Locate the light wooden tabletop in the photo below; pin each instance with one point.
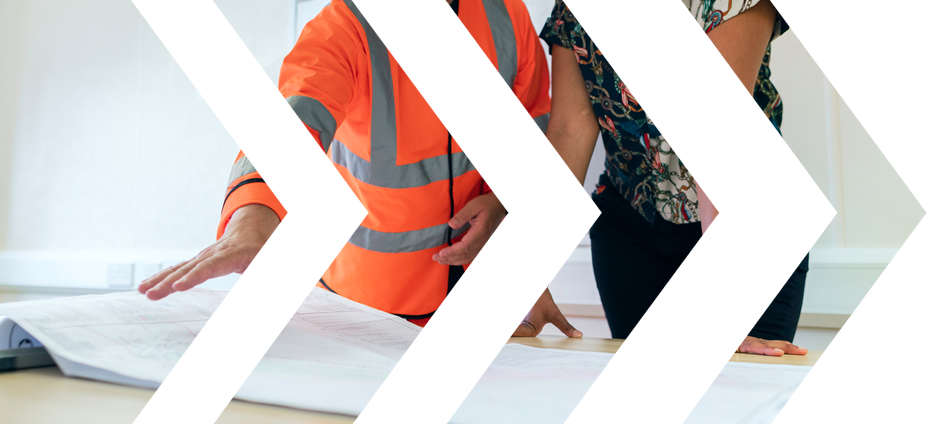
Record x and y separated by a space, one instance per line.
611 346
44 395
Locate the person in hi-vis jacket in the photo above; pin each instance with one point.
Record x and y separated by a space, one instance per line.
430 211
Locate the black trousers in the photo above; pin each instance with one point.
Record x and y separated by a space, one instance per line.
633 261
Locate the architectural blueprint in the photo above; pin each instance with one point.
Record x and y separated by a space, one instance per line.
334 354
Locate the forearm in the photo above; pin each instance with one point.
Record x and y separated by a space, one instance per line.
742 42
573 127
255 221
575 149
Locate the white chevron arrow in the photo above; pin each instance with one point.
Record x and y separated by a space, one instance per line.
292 163
873 53
549 212
771 212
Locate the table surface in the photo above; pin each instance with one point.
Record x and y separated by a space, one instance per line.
44 395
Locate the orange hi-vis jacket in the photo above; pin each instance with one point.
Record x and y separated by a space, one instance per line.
391 148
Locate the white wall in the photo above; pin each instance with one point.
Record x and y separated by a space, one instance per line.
11 32
111 145
876 212
875 208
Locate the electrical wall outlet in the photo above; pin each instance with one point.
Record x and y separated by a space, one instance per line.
119 275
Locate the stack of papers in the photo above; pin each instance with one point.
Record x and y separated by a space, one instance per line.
334 354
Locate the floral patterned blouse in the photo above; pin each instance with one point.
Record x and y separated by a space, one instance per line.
640 163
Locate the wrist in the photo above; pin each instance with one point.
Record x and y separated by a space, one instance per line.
252 225
497 207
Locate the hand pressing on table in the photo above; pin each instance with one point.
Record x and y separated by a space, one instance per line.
545 312
757 346
248 230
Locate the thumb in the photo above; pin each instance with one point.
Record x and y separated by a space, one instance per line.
564 326
469 211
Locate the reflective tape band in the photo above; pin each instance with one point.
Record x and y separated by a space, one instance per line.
316 116
382 170
505 39
383 114
407 241
241 168
418 174
543 122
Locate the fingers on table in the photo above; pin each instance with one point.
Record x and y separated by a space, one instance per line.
152 281
564 326
165 286
770 347
787 347
767 350
203 271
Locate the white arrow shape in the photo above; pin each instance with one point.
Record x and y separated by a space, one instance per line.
875 370
322 211
771 212
549 212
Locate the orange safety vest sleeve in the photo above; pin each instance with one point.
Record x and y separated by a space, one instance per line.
247 189
532 82
531 85
318 78
320 75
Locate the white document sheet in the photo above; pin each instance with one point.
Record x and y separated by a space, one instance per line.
334 354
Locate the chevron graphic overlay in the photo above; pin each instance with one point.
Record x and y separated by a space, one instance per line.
879 74
549 212
308 239
734 272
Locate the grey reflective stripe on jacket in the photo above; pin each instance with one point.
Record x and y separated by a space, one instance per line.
424 172
407 241
241 168
382 169
316 116
505 39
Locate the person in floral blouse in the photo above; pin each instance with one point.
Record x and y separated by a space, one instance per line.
653 212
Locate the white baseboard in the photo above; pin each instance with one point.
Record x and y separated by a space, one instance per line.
826 321
839 278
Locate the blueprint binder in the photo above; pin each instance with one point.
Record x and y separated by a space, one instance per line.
19 350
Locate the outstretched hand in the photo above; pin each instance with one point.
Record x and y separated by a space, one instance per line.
248 230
